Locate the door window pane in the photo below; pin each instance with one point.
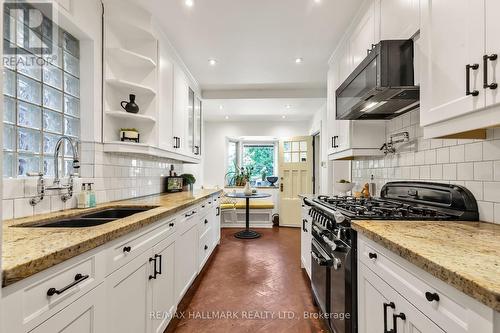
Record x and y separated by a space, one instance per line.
303 145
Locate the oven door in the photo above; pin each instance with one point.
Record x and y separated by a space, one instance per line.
320 275
340 302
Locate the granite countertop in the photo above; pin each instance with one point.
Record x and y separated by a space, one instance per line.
27 251
465 255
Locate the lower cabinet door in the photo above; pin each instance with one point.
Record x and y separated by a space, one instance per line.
128 301
85 315
186 260
164 301
371 300
382 309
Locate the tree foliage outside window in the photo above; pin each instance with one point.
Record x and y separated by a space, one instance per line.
252 161
260 159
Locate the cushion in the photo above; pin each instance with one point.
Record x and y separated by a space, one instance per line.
262 204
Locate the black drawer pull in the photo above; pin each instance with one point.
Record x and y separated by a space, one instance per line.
155 273
202 206
159 257
372 255
190 214
217 209
127 249
431 297
468 67
206 247
78 278
486 57
395 321
171 224
387 305
206 221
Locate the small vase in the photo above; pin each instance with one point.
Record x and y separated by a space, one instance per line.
248 189
130 106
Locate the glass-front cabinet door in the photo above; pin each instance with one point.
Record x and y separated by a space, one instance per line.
190 136
197 126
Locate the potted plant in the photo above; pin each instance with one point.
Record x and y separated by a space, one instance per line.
239 177
188 181
129 134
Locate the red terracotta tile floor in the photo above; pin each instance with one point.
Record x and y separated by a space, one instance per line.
251 286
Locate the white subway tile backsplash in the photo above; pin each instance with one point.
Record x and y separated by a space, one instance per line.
457 154
491 150
476 188
474 164
474 152
115 177
492 191
7 209
486 213
465 171
483 171
443 155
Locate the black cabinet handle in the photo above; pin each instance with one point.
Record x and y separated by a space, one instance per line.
171 224
395 318
468 67
304 221
78 278
486 57
127 249
335 145
206 221
217 209
372 255
190 214
159 257
431 297
206 247
387 305
155 273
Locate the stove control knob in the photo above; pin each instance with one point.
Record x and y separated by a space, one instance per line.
339 218
337 263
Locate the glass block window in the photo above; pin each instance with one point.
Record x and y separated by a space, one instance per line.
41 98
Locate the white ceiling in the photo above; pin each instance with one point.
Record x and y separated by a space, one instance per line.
255 42
300 109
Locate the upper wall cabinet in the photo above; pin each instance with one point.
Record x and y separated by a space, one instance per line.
459 67
140 61
398 19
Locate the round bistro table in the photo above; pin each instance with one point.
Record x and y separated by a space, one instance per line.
247 233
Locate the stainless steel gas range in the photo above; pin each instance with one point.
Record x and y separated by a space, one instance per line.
333 248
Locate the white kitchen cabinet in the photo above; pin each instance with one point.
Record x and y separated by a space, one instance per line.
362 37
163 295
128 295
186 255
166 99
443 81
385 277
305 240
216 215
381 308
399 19
86 315
180 114
492 47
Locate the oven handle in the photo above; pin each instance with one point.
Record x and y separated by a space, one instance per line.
324 260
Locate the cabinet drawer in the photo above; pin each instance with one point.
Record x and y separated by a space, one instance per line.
33 300
205 224
123 250
448 313
205 247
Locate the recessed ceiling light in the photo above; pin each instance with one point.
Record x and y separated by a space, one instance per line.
299 60
189 3
288 106
212 62
221 107
283 116
317 1
226 117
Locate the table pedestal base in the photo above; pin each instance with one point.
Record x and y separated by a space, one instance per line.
247 234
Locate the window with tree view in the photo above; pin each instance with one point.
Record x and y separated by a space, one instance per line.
250 161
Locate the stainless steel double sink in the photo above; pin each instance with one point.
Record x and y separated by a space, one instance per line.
88 220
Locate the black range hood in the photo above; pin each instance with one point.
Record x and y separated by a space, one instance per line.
382 86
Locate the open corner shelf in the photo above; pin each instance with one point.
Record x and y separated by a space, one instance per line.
120 147
131 59
129 30
131 86
131 116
